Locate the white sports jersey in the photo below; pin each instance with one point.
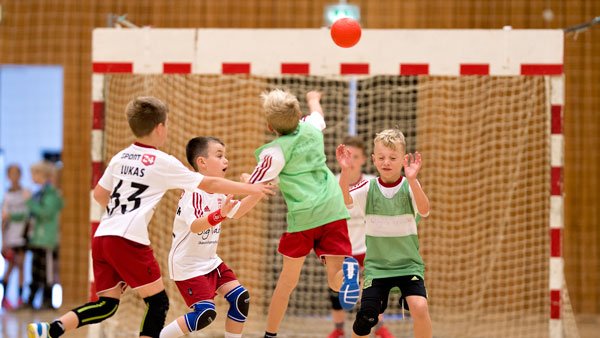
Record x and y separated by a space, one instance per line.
137 177
356 223
360 191
271 160
194 254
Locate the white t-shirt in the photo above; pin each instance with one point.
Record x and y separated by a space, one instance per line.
14 233
360 191
271 160
194 254
356 223
137 177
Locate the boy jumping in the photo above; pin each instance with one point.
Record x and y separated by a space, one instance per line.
316 217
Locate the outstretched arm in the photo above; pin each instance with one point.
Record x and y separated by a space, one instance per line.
224 186
412 165
314 102
343 155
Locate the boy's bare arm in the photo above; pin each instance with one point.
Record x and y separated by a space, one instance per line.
248 203
224 186
101 195
343 155
314 102
412 165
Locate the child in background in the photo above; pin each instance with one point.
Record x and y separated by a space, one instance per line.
356 232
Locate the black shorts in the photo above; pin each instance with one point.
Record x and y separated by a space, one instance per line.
376 291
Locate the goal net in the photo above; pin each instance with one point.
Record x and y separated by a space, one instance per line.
486 147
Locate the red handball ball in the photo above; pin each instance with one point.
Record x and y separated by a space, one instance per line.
345 32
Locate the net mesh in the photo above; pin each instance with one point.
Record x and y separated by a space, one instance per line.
486 154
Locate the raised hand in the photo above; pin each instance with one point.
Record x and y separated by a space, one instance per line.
412 165
313 95
228 204
343 156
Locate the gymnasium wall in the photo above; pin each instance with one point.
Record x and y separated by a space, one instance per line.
59 32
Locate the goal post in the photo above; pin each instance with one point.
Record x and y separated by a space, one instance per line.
483 107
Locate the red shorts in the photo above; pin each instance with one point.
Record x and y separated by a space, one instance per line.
118 260
330 239
361 259
205 287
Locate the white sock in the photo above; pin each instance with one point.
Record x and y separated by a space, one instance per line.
231 335
171 331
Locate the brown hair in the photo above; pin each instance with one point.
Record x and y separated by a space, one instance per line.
144 113
282 110
355 141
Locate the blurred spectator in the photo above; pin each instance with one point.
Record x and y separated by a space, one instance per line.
14 230
44 207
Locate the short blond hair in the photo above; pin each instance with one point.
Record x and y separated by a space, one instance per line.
282 110
44 168
391 138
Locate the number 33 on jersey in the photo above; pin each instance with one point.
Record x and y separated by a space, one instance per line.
138 177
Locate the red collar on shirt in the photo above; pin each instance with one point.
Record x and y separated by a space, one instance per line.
143 145
390 185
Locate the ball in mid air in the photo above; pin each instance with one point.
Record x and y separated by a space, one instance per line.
345 32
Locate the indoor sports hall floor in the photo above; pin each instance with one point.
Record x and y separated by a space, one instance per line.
13 324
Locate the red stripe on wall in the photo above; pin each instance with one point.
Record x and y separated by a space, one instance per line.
414 69
177 68
98 115
474 69
97 171
554 304
541 69
354 68
295 68
557 119
235 68
555 242
556 181
112 67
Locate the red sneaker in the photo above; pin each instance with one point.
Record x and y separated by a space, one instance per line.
336 333
383 333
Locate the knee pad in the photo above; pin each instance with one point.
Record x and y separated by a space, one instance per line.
157 307
365 320
97 311
239 304
204 314
334 296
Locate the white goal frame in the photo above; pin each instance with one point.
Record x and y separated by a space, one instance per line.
311 52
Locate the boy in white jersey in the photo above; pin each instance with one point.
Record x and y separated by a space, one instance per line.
198 271
356 232
392 206
131 186
316 217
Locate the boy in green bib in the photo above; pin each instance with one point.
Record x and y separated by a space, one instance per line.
392 206
316 217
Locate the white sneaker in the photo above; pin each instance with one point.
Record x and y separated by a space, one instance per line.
38 330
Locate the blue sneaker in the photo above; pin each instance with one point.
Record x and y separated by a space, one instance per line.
350 290
38 330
